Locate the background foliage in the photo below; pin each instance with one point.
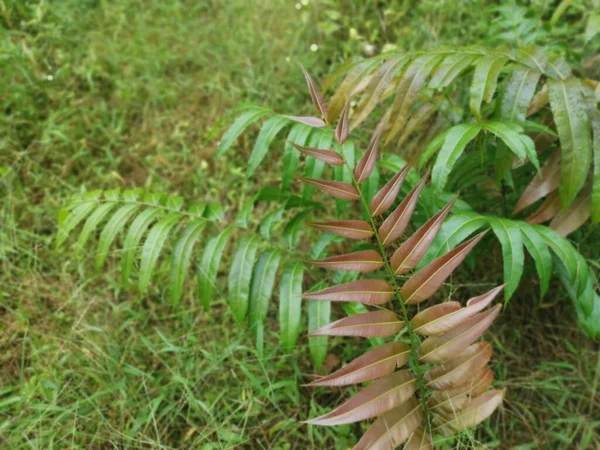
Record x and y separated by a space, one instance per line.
131 94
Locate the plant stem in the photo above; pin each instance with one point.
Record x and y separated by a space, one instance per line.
415 341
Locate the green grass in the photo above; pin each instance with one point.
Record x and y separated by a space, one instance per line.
103 94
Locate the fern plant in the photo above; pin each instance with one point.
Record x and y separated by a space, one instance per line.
445 388
499 135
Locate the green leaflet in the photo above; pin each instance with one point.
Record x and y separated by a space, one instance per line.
595 209
261 290
209 265
518 93
109 233
538 250
268 132
93 221
73 219
291 157
511 134
269 221
240 124
240 277
181 258
572 122
319 314
456 140
449 69
291 232
344 172
133 238
314 167
290 304
509 235
485 80
410 84
152 247
454 231
380 81
244 215
562 248
434 145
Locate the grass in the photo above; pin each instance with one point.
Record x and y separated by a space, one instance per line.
100 94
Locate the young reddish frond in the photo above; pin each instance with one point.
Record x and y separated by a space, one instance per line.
311 121
459 378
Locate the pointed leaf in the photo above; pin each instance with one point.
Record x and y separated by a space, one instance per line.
338 189
342 131
518 93
313 168
414 248
570 219
240 277
370 292
298 134
238 127
393 428
538 250
152 247
93 221
352 229
485 79
509 235
441 318
366 164
542 184
319 314
315 95
267 134
410 85
342 96
290 304
182 254
328 156
428 280
388 193
442 348
456 398
314 122
459 370
261 289
420 440
395 224
374 364
209 265
521 145
454 144
595 118
375 323
76 215
573 125
448 70
476 411
381 80
546 211
133 238
363 261
111 230
378 398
